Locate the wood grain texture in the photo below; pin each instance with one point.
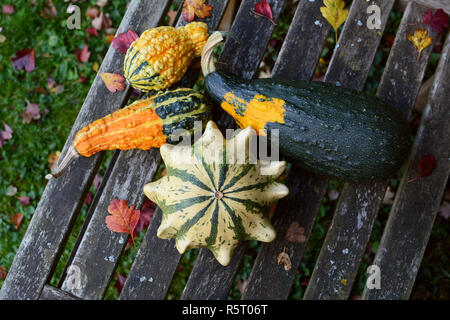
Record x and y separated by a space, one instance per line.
162 253
101 248
209 279
412 216
153 268
307 190
62 199
52 293
297 60
356 211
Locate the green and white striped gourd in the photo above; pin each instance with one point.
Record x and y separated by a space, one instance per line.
207 201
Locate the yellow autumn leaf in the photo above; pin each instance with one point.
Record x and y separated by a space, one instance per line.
420 40
334 13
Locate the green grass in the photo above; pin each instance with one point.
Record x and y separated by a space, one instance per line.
24 158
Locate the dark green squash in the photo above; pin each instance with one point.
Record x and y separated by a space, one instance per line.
341 133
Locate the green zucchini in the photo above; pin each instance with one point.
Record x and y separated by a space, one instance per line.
328 130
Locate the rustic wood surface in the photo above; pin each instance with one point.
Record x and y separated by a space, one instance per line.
162 253
356 211
101 248
62 199
209 279
308 190
412 216
52 293
297 60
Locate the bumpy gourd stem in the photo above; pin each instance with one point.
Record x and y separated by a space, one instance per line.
207 60
69 157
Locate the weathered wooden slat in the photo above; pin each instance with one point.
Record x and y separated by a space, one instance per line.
62 199
297 60
52 293
153 267
349 233
158 259
100 248
348 68
242 59
412 216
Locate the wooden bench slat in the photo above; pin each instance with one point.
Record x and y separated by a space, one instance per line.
100 248
241 59
62 199
52 293
297 60
307 190
351 227
158 259
412 216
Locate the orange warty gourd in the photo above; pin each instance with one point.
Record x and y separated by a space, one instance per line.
144 124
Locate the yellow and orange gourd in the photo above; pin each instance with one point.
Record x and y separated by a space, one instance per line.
161 56
144 124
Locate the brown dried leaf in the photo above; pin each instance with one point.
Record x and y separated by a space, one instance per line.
283 258
295 233
192 8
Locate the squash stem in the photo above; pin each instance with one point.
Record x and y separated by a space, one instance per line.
69 157
207 61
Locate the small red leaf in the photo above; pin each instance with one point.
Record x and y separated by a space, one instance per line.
88 198
263 9
92 32
92 12
24 201
5 135
147 211
16 220
113 81
3 272
437 21
427 165
83 55
32 112
120 282
123 41
97 181
122 218
8 9
24 59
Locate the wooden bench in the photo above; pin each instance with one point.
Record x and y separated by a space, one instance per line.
98 250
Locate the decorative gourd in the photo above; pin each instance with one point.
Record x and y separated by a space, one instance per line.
144 124
161 56
207 201
329 130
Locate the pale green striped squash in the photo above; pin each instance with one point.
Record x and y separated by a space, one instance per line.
206 202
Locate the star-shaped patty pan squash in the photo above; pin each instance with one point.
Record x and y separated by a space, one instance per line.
213 198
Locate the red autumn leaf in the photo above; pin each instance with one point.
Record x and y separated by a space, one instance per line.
437 21
8 9
24 201
3 272
5 135
83 55
32 112
24 59
263 9
92 12
113 81
122 218
102 22
147 211
120 282
16 220
427 165
49 11
97 181
123 41
199 8
92 32
88 198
